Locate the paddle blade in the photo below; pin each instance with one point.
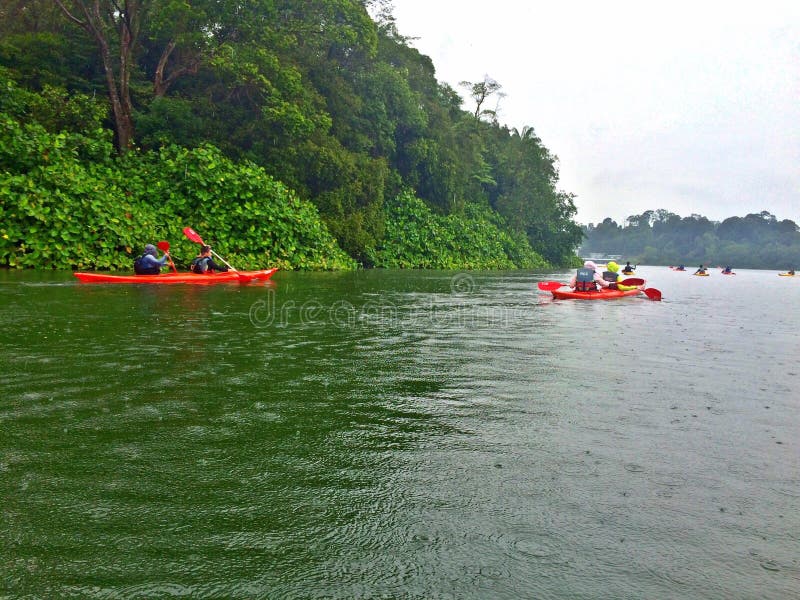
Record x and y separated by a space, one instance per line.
632 281
193 235
163 246
549 286
652 293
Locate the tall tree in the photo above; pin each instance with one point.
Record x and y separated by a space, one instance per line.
112 24
480 93
182 36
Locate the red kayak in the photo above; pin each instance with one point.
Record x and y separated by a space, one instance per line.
603 294
194 278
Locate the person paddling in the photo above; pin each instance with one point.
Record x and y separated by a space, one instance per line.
612 276
587 279
628 269
700 270
726 270
149 263
204 263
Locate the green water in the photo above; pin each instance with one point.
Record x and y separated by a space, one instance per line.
399 435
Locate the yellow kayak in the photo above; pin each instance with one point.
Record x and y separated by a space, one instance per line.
785 274
701 274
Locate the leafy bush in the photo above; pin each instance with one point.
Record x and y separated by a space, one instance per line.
64 203
418 238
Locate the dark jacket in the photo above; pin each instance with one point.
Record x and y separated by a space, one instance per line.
206 264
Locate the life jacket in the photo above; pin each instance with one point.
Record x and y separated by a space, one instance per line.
200 265
611 277
584 280
140 269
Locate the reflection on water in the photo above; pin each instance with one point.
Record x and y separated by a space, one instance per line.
399 434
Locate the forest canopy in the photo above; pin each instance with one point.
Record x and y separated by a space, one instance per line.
660 237
327 103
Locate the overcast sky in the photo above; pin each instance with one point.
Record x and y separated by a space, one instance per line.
689 106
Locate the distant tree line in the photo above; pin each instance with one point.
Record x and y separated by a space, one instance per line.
324 97
660 237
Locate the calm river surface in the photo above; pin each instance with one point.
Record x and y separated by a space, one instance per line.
389 434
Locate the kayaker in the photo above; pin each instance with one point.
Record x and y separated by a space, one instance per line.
726 270
587 279
204 263
681 268
791 271
612 276
149 263
700 270
628 267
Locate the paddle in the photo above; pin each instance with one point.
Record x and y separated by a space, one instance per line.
164 247
195 237
632 281
652 293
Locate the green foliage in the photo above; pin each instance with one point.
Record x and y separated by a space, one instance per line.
527 196
757 241
339 108
418 238
59 210
256 219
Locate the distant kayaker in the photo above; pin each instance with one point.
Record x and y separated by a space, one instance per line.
204 263
628 267
791 271
726 270
700 270
149 263
587 279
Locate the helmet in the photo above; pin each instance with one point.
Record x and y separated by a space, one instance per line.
612 266
150 249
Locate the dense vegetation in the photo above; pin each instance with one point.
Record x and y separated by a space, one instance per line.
758 241
416 237
232 116
66 201
290 129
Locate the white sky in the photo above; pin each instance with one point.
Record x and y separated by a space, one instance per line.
689 106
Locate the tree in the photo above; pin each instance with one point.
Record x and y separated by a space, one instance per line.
480 92
182 35
109 23
335 105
